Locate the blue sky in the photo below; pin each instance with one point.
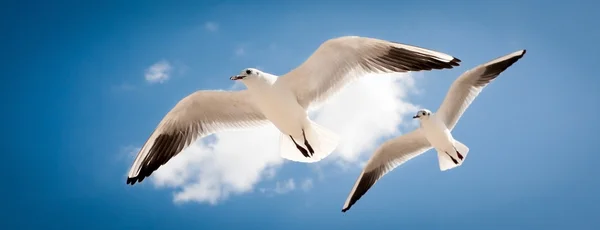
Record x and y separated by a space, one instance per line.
77 101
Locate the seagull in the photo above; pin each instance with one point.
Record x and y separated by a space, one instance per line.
435 129
282 101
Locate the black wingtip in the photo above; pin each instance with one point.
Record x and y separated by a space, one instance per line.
455 62
345 209
133 180
521 53
499 65
166 145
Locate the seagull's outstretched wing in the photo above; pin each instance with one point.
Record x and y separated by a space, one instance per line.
388 156
340 60
464 89
195 116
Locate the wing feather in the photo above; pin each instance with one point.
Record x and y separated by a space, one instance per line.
341 60
195 116
466 88
388 156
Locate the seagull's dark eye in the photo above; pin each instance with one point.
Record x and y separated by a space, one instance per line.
248 71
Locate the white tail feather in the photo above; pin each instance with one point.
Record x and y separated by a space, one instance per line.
446 162
322 140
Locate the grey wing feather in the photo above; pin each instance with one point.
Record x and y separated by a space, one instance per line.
464 90
341 60
195 116
388 156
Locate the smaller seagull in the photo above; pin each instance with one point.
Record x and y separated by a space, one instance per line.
435 129
282 100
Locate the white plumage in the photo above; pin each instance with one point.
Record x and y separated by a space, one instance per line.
283 101
435 129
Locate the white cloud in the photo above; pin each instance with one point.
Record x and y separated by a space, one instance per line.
307 184
211 26
281 187
365 112
158 72
211 172
285 187
233 163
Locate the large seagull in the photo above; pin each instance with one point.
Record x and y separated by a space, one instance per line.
282 101
435 129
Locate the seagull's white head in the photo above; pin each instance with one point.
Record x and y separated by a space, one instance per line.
423 113
252 77
247 74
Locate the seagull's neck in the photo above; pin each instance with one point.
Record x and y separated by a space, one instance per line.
426 121
432 121
261 83
269 78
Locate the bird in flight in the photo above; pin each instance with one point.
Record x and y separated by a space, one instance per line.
435 129
282 101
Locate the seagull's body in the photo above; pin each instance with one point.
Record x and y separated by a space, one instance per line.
282 101
440 137
280 106
435 131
